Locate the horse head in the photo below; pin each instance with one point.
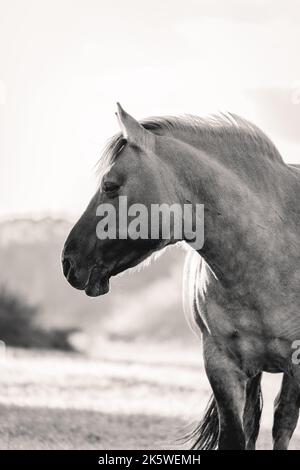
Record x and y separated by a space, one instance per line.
131 172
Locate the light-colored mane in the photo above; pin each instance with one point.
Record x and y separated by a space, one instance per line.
226 129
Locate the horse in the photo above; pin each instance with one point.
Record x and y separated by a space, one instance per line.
242 285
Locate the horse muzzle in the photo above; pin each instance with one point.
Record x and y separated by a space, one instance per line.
94 281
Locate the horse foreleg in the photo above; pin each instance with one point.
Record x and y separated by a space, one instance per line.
286 412
252 412
229 387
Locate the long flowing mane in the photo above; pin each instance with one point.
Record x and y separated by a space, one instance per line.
226 129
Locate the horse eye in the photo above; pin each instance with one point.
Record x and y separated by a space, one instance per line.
109 186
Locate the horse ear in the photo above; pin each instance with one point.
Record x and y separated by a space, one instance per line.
131 129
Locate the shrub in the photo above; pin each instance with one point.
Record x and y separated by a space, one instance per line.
18 325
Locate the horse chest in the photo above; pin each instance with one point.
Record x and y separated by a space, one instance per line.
244 335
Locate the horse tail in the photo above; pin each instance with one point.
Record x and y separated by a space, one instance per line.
205 435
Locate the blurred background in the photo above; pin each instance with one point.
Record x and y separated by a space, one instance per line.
63 66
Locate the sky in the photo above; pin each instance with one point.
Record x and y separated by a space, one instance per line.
64 64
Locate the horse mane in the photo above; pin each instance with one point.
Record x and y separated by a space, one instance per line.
226 128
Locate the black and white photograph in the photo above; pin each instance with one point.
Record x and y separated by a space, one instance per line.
149 229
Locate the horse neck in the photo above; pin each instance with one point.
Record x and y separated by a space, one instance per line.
230 207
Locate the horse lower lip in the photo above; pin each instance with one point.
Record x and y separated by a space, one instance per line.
98 283
98 287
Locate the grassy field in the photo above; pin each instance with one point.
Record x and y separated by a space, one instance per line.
124 397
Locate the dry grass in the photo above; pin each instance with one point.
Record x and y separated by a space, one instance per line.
128 397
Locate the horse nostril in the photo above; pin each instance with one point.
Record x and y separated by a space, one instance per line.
66 267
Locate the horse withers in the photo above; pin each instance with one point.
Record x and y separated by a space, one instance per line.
243 282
